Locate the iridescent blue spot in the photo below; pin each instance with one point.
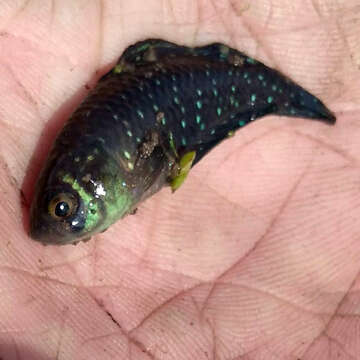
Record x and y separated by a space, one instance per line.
270 99
253 97
250 60
198 119
140 113
242 123
183 123
218 110
199 104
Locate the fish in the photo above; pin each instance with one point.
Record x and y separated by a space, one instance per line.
145 124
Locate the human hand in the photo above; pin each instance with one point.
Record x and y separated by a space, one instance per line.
255 257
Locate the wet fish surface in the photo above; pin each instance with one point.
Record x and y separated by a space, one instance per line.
145 124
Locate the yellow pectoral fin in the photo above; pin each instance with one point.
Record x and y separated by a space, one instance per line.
185 164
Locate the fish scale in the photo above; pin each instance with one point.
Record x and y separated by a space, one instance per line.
145 124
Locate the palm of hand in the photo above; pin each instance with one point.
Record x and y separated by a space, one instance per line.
261 264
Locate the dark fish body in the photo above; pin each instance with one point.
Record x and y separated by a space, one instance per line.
148 120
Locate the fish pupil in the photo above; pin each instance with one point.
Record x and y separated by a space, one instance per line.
62 209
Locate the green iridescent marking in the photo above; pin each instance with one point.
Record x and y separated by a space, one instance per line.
251 60
246 75
176 100
237 104
140 113
143 47
92 217
233 88
270 99
292 111
173 77
261 77
172 144
274 87
230 72
163 120
232 100
138 139
214 81
175 88
207 72
242 123
219 110
156 108
280 91
202 126
157 81
199 92
129 133
212 132
185 164
183 141
199 104
127 154
182 109
118 69
215 92
198 119
253 97
183 123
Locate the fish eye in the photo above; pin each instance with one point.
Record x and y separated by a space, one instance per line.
62 206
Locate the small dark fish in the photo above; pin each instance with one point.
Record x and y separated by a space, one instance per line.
145 124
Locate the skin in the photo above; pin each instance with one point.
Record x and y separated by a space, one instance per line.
263 260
